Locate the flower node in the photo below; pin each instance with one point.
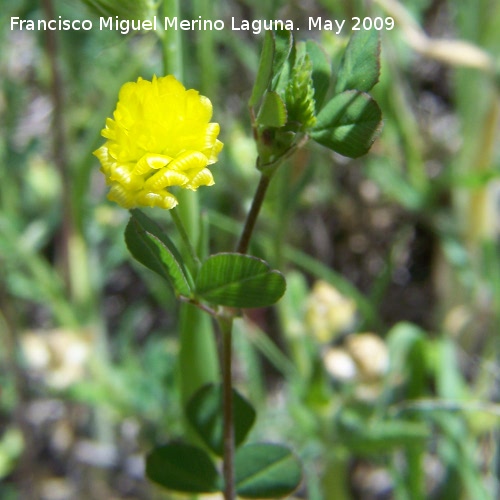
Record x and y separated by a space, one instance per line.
160 136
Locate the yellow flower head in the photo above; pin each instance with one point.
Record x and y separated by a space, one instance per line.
160 136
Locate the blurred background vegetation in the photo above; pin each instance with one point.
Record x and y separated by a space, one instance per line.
380 365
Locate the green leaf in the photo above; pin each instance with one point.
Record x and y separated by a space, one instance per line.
265 71
237 280
182 467
282 77
321 72
266 471
348 124
204 412
283 42
360 65
149 245
273 111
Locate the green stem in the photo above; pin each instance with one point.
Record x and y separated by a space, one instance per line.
185 237
198 361
251 219
226 326
172 42
268 171
206 51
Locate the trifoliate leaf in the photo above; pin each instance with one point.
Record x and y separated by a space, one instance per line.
360 65
237 280
348 124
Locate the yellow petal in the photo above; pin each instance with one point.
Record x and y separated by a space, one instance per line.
202 178
165 178
213 153
102 154
151 162
162 199
122 173
189 160
211 133
120 195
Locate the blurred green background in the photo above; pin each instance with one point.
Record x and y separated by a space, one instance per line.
379 366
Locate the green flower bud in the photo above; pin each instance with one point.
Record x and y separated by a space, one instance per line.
299 94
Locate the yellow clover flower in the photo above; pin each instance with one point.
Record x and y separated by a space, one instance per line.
160 136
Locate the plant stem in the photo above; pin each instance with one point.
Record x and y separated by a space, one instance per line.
172 42
251 219
265 179
206 52
185 237
226 327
